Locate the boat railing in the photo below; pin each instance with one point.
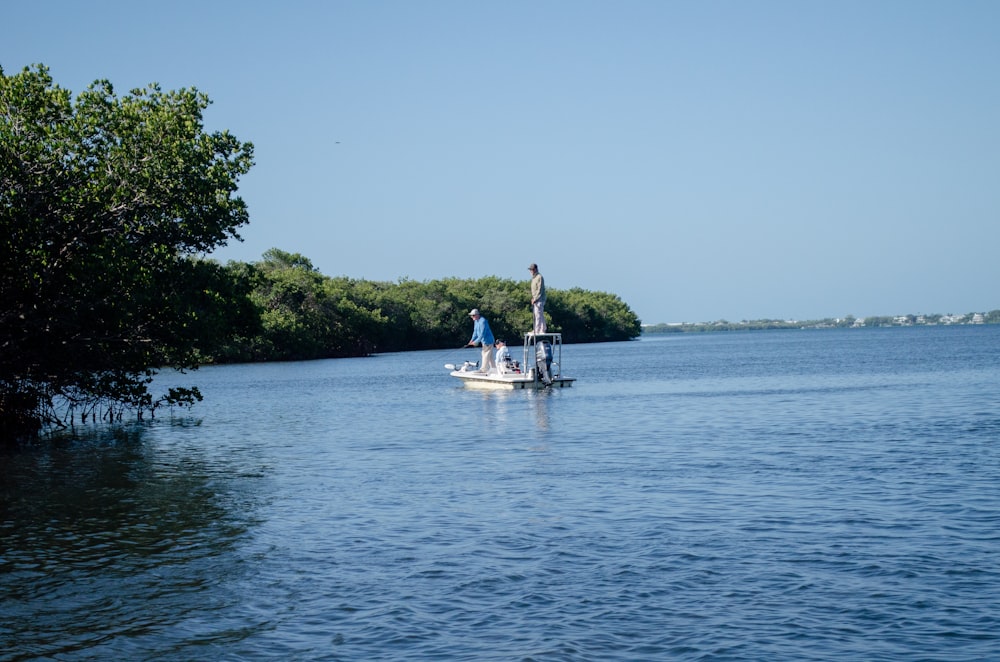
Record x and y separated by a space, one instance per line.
531 341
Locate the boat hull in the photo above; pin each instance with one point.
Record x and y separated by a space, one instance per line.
508 382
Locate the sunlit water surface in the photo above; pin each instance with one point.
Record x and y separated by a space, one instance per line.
803 495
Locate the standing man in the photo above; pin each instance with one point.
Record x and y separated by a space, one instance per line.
481 334
537 298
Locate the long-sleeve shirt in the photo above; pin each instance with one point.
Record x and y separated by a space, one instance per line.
537 288
481 332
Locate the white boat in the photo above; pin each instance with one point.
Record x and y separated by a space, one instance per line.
541 367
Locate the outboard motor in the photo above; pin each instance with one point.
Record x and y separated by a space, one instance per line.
543 360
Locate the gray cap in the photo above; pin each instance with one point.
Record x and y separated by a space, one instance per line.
474 311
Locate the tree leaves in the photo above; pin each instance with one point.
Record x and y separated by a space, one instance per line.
306 315
105 203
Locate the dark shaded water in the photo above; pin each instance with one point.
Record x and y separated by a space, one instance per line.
811 495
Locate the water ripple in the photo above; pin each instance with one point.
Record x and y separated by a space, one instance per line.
809 496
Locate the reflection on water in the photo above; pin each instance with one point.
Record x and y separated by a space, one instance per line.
505 411
93 529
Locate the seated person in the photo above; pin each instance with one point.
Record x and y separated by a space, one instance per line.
505 364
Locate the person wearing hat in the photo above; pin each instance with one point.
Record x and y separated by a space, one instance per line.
537 298
482 335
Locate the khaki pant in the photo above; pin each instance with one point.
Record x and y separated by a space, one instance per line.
488 360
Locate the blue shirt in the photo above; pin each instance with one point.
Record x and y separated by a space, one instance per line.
481 332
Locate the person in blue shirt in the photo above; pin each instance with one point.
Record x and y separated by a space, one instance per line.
482 335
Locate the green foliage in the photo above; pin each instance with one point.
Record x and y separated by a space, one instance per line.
105 203
306 315
303 314
594 316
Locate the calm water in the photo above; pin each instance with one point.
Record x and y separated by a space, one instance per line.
804 495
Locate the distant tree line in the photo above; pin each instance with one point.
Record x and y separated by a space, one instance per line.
992 317
304 314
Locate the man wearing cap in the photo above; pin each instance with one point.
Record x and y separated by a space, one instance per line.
537 298
481 334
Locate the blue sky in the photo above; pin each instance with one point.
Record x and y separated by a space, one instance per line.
703 160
